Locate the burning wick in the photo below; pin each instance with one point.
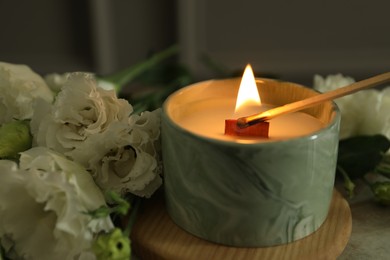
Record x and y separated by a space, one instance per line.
248 95
256 130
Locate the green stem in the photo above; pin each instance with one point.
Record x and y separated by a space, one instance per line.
218 68
133 216
384 167
154 100
348 184
125 76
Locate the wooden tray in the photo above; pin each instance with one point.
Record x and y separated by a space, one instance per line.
156 236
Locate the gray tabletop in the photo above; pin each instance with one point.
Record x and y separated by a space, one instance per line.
370 238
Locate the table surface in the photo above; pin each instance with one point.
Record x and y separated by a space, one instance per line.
370 237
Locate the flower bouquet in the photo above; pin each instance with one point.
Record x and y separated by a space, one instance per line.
74 161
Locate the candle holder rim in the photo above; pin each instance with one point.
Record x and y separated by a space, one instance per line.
336 115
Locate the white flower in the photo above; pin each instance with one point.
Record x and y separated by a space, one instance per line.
107 85
43 205
55 81
362 113
19 88
81 109
94 128
331 82
375 113
126 156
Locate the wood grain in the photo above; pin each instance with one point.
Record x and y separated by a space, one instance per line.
155 236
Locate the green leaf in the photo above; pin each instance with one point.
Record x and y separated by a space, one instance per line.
383 167
349 185
125 76
361 154
163 74
118 206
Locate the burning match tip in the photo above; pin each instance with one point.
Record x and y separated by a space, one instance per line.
244 122
257 130
241 122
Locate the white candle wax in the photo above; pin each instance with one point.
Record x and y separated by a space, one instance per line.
207 118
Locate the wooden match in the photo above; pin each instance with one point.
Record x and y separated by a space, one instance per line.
248 121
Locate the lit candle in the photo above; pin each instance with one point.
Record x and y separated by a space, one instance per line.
207 117
245 191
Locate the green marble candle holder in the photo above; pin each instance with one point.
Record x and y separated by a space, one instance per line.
248 195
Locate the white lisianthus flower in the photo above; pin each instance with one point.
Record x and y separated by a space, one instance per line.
93 127
55 81
80 110
126 156
331 82
19 88
107 85
43 206
362 113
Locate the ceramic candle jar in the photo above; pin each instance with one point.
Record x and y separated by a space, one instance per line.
255 194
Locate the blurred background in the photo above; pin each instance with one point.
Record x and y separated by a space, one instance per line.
291 40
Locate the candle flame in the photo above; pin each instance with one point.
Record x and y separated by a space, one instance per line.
248 93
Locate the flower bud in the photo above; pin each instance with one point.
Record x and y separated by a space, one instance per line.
112 246
14 138
381 191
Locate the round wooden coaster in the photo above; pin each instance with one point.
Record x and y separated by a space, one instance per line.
156 236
